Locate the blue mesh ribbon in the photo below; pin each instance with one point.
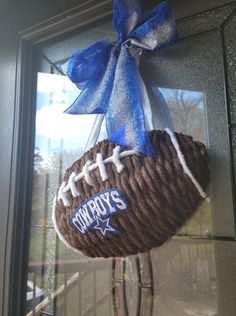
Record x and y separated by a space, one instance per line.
108 73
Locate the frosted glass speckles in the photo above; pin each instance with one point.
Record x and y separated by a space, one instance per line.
205 21
233 139
230 50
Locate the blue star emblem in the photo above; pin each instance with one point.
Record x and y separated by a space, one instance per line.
105 226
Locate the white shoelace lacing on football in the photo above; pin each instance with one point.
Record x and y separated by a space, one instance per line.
88 168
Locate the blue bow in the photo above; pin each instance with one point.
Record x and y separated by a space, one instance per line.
108 74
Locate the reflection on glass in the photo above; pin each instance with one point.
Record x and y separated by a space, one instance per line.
186 278
55 130
187 109
60 275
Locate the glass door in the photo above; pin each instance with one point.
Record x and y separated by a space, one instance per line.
188 275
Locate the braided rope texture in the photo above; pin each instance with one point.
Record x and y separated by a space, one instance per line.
161 197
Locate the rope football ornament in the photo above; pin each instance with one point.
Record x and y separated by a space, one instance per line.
130 204
132 192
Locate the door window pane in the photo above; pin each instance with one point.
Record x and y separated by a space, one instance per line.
186 275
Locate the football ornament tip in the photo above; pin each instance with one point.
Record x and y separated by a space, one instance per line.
115 202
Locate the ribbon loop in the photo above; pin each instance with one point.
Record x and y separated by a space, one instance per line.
127 15
82 65
108 74
156 31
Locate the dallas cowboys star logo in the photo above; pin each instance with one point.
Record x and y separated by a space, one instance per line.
105 226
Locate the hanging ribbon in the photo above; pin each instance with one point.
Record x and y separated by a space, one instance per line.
108 74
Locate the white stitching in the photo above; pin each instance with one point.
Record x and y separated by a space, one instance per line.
102 167
183 163
116 159
73 188
62 196
86 170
